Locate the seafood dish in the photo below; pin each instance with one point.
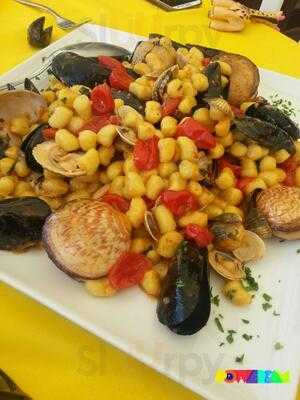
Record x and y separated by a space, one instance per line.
154 170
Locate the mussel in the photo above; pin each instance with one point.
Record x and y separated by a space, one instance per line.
266 134
73 69
273 115
38 36
21 222
184 304
129 100
213 73
229 232
280 205
255 220
31 140
85 238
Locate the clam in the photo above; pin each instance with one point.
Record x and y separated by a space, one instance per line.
17 103
141 50
127 135
124 110
281 207
228 231
51 157
255 221
252 248
218 105
226 265
101 192
161 82
151 225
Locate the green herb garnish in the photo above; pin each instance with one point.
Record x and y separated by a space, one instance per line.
216 300
275 314
222 344
267 297
219 325
229 337
240 359
249 282
179 283
221 316
284 105
245 321
247 337
266 306
298 251
278 346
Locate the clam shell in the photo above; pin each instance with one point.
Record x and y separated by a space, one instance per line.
142 49
217 261
221 105
151 225
124 110
51 157
101 192
253 248
127 135
162 81
281 207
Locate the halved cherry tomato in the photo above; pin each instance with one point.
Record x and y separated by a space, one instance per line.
194 130
289 166
116 201
145 154
206 61
98 121
179 202
237 111
110 63
149 202
225 162
49 133
102 100
120 79
129 270
202 236
170 106
242 183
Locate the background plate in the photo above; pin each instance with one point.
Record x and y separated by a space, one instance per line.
128 320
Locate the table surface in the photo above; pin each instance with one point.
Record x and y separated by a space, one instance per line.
50 357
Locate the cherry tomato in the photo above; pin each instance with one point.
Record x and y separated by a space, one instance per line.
194 130
170 105
120 79
206 61
49 133
225 162
98 121
110 63
290 179
242 183
179 202
289 166
116 201
129 270
145 154
149 202
237 111
102 100
202 236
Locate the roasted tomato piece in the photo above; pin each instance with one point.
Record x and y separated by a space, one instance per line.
225 162
170 106
179 202
49 133
242 183
98 121
102 100
194 130
116 201
145 154
110 63
120 79
201 236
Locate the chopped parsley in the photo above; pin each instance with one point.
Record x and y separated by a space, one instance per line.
229 337
247 337
216 300
230 294
219 325
222 344
245 321
266 306
275 314
283 105
179 283
267 297
278 346
249 282
221 316
298 251
240 359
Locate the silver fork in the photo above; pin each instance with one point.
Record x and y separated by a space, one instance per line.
62 22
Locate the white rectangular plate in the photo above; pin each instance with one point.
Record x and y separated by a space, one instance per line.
128 320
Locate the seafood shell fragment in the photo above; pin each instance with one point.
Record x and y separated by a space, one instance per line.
51 157
151 225
85 238
161 82
226 265
127 135
221 105
253 248
281 207
124 110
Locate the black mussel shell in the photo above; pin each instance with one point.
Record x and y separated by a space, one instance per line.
265 133
73 69
10 87
38 36
132 73
213 73
210 174
184 304
273 115
31 140
21 221
129 100
3 146
29 85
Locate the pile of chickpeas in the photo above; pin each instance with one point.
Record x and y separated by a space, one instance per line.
109 161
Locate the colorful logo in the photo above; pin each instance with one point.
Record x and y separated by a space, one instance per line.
252 376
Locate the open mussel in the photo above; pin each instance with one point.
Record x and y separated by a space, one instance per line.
229 232
226 265
73 69
266 134
184 304
129 100
273 115
31 140
255 220
21 222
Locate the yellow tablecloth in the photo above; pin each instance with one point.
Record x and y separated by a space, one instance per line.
51 358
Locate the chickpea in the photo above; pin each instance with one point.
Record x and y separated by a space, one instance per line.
142 92
200 82
176 182
226 179
257 183
66 140
281 175
223 127
234 210
21 187
61 117
55 187
153 256
151 283
281 156
255 152
166 148
145 130
217 152
83 106
145 175
267 163
89 162
236 293
269 177
213 211
132 119
188 170
67 96
55 84
168 126
75 125
117 185
162 268
77 184
175 88
238 150
154 186
249 169
115 169
100 287
106 135
188 149
202 115
136 212
7 186
195 188
53 106
134 185
166 169
140 245
153 112
19 126
22 169
226 141
206 197
49 96
297 146
233 196
186 105
168 244
129 165
6 165
165 219
87 140
195 217
142 68
188 89
105 155
224 81
12 152
225 68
